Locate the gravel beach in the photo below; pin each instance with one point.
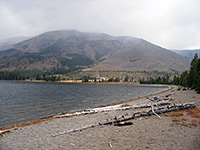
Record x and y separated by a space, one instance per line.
178 130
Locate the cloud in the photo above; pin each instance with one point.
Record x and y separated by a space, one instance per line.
168 23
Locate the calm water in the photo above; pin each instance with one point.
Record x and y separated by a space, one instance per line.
22 101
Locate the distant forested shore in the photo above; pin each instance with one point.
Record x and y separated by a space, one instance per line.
189 79
24 75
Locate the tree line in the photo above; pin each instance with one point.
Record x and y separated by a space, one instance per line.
31 75
189 79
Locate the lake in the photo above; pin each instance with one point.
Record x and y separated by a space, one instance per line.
23 101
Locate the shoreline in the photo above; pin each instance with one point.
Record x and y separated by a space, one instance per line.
52 117
75 81
178 129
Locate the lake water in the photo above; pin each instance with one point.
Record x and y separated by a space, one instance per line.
23 101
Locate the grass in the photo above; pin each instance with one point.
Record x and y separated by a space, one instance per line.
183 124
194 113
177 114
194 123
183 119
179 118
176 120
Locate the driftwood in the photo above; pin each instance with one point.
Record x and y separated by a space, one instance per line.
110 145
154 112
156 100
160 98
123 123
4 132
114 108
159 110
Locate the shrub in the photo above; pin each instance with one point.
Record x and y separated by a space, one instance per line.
179 88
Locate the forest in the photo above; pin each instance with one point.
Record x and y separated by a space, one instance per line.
189 79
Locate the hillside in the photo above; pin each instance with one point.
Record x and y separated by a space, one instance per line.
71 49
188 53
141 55
7 43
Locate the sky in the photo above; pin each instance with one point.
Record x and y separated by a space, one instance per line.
172 24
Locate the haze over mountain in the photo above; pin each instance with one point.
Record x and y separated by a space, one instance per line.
97 51
7 43
188 53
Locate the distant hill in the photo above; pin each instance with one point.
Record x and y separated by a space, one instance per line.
188 53
7 43
96 51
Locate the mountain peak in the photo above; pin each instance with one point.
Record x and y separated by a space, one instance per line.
99 51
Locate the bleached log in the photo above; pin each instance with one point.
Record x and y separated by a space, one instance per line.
113 108
135 115
154 112
169 94
3 132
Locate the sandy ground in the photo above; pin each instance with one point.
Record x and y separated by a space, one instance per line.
181 132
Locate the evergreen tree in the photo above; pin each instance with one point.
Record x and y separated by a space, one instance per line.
158 80
111 80
44 76
197 87
192 75
126 78
85 79
175 80
167 79
117 79
184 78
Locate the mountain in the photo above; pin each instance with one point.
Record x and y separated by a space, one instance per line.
139 55
71 49
188 53
7 43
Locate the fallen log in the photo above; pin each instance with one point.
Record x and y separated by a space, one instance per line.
4 132
154 112
123 123
113 108
135 115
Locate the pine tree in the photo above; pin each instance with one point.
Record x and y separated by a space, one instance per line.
175 80
184 78
191 81
197 87
117 79
126 78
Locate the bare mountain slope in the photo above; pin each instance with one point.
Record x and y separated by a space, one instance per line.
47 39
72 49
143 56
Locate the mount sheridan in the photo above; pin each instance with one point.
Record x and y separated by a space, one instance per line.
70 49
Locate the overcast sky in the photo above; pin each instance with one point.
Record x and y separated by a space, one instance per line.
172 24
